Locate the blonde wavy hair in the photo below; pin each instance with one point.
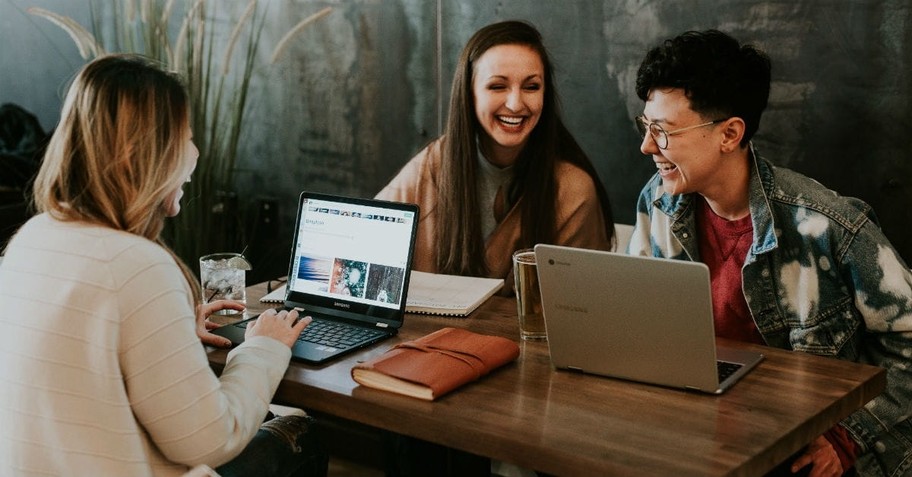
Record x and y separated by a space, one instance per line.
118 151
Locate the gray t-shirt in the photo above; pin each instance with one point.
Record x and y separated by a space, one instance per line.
490 179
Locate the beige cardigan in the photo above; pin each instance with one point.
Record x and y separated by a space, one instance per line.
580 222
103 373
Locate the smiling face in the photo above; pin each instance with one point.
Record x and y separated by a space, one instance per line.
508 85
692 162
704 159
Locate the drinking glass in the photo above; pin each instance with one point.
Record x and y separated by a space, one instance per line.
528 296
223 276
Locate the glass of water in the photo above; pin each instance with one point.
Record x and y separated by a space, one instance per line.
223 276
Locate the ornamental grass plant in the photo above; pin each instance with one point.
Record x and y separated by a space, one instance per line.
217 64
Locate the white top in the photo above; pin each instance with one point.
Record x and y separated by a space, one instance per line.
101 371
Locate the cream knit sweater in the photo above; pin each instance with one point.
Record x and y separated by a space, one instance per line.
101 371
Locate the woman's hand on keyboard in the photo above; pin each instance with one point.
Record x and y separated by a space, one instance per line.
281 325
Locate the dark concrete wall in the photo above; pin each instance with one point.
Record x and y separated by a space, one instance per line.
361 91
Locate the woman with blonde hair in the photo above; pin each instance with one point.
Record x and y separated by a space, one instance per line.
506 174
104 373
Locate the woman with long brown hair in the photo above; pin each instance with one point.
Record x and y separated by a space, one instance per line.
506 174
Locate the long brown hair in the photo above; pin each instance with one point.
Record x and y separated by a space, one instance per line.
460 245
118 151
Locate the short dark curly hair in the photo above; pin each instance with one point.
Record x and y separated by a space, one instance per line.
721 77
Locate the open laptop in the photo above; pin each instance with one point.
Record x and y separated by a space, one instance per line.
349 270
638 318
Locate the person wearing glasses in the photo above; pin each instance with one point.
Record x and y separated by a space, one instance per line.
506 174
793 264
104 371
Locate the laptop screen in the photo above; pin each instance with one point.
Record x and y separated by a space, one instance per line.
352 255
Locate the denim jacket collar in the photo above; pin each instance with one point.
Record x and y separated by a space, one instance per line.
761 180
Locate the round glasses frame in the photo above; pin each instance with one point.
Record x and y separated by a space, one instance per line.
660 135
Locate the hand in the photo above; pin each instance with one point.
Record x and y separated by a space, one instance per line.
203 325
822 458
282 325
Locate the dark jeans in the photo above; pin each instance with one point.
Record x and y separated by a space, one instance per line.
285 446
410 457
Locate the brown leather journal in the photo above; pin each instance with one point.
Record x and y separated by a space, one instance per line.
435 364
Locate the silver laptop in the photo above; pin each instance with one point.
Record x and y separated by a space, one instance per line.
349 269
637 318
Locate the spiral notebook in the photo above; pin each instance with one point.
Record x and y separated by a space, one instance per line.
434 293
449 295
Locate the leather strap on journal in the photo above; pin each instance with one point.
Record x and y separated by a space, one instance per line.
475 362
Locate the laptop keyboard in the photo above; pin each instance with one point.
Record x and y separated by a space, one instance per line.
726 369
337 335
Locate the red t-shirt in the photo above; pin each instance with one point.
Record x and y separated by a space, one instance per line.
723 247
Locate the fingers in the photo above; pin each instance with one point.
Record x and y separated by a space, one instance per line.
209 308
294 320
284 316
287 318
281 315
801 462
822 458
209 339
214 340
302 323
281 325
825 469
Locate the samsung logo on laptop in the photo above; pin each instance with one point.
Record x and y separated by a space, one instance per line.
341 305
573 308
552 261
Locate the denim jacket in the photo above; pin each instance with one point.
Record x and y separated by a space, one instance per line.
820 277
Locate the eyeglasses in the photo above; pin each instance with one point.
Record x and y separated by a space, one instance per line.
660 135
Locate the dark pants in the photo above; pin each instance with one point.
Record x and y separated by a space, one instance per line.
284 446
410 457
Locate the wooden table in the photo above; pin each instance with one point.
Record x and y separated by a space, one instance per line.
566 423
